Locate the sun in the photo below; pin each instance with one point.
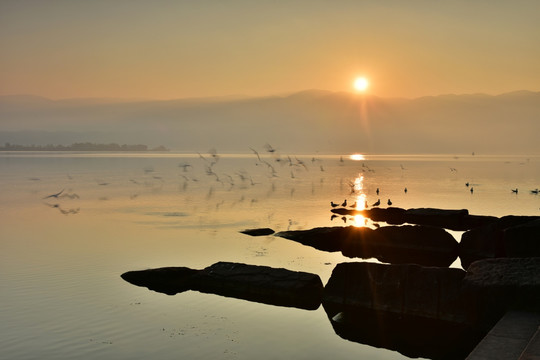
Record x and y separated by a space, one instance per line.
361 84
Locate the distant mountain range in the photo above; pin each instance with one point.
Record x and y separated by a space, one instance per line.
305 122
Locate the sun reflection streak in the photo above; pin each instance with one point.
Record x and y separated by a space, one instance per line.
358 187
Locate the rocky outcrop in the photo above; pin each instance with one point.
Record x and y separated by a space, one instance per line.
423 245
458 220
262 284
424 311
509 236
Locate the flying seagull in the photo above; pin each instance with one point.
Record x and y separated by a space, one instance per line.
54 195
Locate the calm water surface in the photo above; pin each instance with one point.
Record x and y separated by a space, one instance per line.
61 258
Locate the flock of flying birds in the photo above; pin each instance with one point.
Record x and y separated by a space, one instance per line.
241 179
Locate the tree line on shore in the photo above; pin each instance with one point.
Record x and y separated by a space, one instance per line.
86 146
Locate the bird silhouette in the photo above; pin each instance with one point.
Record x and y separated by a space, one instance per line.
333 217
405 190
377 191
344 203
515 191
467 184
353 205
332 204
54 195
377 203
389 202
535 191
472 189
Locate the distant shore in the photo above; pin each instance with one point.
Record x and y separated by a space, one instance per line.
81 147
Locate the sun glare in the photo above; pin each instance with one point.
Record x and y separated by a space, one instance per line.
361 84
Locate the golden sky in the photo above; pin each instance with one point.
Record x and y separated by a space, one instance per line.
177 49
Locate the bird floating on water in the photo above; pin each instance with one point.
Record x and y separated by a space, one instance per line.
389 202
332 204
515 191
377 191
472 189
344 203
377 203
405 190
535 191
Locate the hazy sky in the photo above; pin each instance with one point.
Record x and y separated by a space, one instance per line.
177 49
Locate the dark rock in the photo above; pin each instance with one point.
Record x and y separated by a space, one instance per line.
458 220
489 241
258 232
403 290
448 219
262 284
322 238
167 280
394 244
391 215
522 240
422 245
504 283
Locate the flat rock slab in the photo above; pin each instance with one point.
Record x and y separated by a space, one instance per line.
262 284
458 220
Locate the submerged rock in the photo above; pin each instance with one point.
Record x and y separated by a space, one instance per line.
250 282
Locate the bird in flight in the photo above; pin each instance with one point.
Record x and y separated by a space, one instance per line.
54 195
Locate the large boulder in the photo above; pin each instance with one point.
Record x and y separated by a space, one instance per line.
503 283
502 238
522 240
276 286
415 310
423 245
406 290
262 284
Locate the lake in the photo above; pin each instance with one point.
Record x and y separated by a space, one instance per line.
61 256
